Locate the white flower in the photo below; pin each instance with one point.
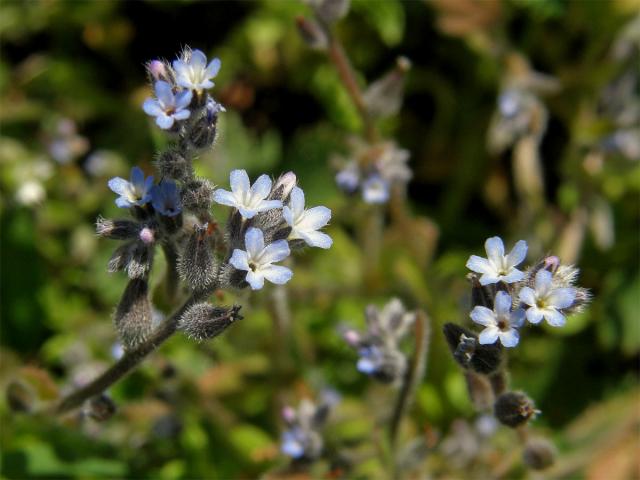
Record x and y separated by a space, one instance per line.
257 260
193 72
501 323
306 223
498 266
375 189
249 200
545 301
167 107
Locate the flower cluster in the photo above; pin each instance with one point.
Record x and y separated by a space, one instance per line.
302 439
268 219
373 170
379 346
509 296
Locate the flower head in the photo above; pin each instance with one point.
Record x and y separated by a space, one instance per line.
306 223
500 323
375 189
192 71
498 267
249 200
165 198
546 301
137 191
257 260
167 107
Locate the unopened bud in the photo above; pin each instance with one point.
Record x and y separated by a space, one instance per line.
147 236
384 97
116 229
204 321
133 319
312 33
539 454
101 408
514 409
283 186
119 258
484 359
202 133
159 70
140 260
171 163
197 265
197 195
330 11
20 397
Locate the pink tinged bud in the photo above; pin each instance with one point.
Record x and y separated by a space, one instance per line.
551 263
283 186
288 414
352 337
147 236
157 70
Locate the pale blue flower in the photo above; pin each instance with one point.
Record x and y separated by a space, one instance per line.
500 323
137 191
165 198
375 189
167 107
192 71
249 200
306 223
348 178
545 301
257 259
498 267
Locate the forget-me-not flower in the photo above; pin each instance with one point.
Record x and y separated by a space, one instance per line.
375 189
500 323
137 191
257 259
165 198
306 223
167 107
249 200
193 72
498 267
545 301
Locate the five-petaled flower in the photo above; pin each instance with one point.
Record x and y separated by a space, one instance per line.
306 223
133 192
500 323
192 71
258 260
165 198
545 301
249 200
375 189
497 266
167 107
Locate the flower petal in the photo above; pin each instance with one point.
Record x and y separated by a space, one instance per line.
123 202
261 187
239 181
183 99
517 318
562 297
534 315
240 260
164 94
489 278
517 254
181 114
543 281
554 317
495 250
296 202
198 59
480 265
527 296
255 279
213 68
483 316
318 239
314 218
247 212
509 338
366 366
224 197
254 242
513 276
266 205
275 252
118 185
277 274
164 121
287 214
152 107
502 303
489 335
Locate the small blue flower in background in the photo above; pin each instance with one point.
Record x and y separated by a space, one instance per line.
165 198
134 192
167 107
375 189
348 178
193 72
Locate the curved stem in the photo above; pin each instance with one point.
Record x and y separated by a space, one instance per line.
412 378
127 363
171 256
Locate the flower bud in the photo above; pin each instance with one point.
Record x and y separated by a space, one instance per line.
201 134
383 98
20 397
133 315
539 454
484 359
197 265
312 33
159 70
283 187
330 11
172 163
514 409
140 260
147 236
204 321
119 258
101 407
117 229
197 195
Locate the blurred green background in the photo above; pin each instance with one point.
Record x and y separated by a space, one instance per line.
72 81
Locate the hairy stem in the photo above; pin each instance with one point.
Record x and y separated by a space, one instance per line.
128 362
412 378
171 256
